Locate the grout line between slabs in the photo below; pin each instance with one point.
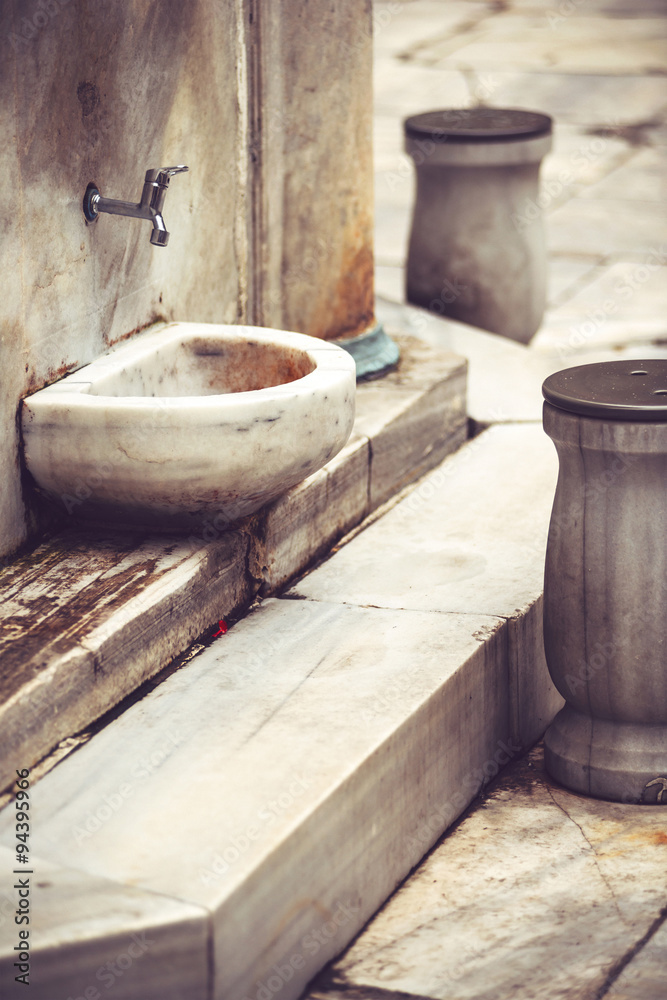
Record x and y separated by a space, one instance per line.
630 954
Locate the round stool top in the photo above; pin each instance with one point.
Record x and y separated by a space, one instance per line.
611 390
477 125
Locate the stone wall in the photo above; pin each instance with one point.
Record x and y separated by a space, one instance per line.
269 104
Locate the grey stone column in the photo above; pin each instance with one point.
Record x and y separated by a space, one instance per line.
310 77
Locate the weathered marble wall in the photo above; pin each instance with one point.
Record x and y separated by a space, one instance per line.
269 104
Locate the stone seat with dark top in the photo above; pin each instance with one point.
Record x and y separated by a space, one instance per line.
605 592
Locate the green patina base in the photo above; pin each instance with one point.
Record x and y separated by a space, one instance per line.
373 351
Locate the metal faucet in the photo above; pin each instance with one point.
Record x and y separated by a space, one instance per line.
156 183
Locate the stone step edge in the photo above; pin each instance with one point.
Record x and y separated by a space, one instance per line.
143 930
406 424
457 793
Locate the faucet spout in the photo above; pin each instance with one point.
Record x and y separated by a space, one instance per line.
159 236
153 194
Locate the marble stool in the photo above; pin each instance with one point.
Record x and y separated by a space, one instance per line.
477 248
605 584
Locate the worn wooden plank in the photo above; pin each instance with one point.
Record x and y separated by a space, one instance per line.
118 623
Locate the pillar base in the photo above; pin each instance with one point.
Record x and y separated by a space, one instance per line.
620 761
373 351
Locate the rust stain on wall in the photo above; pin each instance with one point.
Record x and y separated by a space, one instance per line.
35 383
353 301
155 318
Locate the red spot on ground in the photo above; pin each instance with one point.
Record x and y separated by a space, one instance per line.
222 628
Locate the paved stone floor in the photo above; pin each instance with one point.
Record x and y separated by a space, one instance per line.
536 893
596 66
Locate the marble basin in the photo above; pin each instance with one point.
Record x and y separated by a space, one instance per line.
189 424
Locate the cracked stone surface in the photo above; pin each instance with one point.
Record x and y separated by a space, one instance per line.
537 892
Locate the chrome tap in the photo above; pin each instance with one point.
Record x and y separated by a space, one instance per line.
156 183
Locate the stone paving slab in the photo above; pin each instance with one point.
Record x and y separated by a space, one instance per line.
417 88
392 231
596 226
625 302
468 539
387 142
390 282
538 892
580 160
643 978
400 29
642 178
567 276
593 99
567 44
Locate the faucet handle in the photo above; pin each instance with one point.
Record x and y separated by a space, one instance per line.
163 175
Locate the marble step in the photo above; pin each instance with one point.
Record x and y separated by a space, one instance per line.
272 793
88 618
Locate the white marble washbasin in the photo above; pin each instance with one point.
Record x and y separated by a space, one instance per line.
189 423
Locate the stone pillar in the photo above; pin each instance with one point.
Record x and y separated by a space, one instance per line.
310 80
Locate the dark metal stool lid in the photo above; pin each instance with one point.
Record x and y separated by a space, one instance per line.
477 125
611 390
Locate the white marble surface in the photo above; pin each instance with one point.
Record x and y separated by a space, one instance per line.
566 276
417 88
641 178
542 38
392 231
310 518
190 419
537 893
643 978
592 99
91 934
624 303
469 538
400 29
390 282
427 394
579 161
604 226
447 546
